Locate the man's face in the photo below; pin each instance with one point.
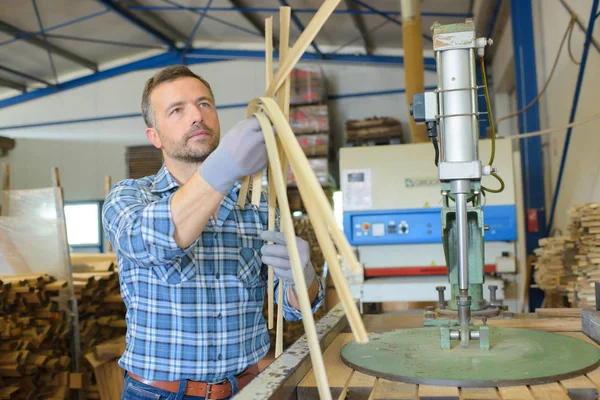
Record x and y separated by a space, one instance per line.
186 121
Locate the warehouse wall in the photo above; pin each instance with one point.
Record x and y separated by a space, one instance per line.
110 103
82 166
581 179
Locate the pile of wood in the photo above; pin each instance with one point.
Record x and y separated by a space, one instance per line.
373 129
552 272
34 338
585 229
101 313
143 161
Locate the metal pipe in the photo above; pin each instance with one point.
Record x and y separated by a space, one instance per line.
457 73
462 241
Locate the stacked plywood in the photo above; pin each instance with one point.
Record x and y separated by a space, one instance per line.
34 338
585 229
551 271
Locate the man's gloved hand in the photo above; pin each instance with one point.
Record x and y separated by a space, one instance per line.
240 153
277 255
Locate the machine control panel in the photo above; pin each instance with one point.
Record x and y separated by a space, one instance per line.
421 226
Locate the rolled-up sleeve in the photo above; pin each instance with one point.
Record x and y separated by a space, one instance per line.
289 312
139 230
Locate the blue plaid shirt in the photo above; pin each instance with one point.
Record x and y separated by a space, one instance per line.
193 313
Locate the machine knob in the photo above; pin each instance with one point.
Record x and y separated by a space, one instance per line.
441 300
493 289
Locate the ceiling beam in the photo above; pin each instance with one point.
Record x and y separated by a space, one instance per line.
254 20
359 23
26 76
37 42
155 20
13 85
135 20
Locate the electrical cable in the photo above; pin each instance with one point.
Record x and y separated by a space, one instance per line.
493 130
540 94
517 135
569 48
437 151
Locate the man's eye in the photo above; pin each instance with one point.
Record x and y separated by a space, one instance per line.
205 104
176 111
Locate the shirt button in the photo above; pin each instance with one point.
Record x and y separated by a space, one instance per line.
219 316
217 275
220 357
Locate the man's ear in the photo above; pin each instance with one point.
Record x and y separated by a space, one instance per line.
153 136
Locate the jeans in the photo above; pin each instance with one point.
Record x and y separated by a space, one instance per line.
134 390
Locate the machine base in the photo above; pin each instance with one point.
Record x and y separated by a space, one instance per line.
516 357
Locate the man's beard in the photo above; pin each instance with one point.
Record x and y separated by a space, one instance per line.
182 151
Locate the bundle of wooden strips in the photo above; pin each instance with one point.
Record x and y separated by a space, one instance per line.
585 230
286 147
34 338
550 271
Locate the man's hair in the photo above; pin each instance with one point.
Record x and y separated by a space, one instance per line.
168 74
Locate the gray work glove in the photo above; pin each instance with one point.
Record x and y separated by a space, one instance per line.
277 256
240 153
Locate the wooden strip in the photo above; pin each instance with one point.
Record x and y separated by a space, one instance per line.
540 324
297 270
302 172
271 195
581 388
558 312
594 376
306 37
515 393
479 393
428 392
344 393
372 395
282 102
550 391
391 390
360 386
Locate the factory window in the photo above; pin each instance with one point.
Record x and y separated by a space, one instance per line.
84 227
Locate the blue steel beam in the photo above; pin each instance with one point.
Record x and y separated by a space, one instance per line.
46 44
300 26
129 16
302 11
219 107
529 121
55 27
178 7
190 38
199 56
578 22
101 41
563 160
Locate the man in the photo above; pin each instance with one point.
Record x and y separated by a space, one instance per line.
192 263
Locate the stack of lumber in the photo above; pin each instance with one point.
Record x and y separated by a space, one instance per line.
143 161
551 271
34 338
373 129
101 312
585 228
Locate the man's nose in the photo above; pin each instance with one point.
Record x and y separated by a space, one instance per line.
196 115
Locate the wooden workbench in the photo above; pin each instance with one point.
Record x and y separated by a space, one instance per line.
292 373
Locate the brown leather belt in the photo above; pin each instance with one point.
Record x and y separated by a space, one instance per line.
204 389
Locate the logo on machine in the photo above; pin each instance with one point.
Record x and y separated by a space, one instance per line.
420 182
